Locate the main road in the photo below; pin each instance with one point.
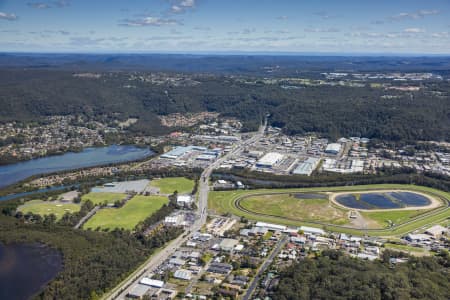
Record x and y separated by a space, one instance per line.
120 291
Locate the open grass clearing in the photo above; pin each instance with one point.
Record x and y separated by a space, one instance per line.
43 208
408 249
169 185
134 211
100 198
389 217
286 205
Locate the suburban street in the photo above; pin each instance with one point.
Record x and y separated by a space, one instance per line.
264 266
124 288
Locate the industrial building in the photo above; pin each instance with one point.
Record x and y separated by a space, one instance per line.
307 167
228 244
269 160
184 200
271 227
178 152
220 268
312 230
183 274
333 148
152 282
343 166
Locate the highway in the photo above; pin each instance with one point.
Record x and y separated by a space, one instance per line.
120 291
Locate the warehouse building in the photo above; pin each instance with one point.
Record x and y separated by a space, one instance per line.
178 152
228 244
152 282
306 167
185 200
183 274
269 160
333 148
220 268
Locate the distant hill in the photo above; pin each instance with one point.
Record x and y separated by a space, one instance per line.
243 64
33 93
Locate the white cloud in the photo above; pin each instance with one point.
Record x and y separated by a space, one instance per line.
49 4
7 16
322 30
414 30
187 3
149 21
182 6
415 15
39 5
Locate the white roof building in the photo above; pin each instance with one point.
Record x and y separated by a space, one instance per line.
138 291
436 231
174 220
312 230
333 148
184 200
273 227
269 160
152 282
228 244
183 274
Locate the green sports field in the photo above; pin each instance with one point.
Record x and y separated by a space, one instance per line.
286 205
48 207
128 216
235 202
100 198
170 184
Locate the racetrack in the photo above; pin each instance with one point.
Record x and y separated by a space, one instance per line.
232 204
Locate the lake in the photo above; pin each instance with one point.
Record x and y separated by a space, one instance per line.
26 268
89 157
388 200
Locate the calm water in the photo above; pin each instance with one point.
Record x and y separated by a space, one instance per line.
89 157
26 268
383 200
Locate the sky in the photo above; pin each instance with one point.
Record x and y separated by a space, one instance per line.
190 26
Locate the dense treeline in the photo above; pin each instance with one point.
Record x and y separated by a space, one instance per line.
334 275
332 111
94 262
394 176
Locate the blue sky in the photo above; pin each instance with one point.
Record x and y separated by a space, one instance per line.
338 26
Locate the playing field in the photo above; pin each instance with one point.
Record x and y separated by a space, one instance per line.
287 205
48 207
277 206
100 198
170 184
128 216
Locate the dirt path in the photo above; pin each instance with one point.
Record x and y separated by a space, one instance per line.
433 201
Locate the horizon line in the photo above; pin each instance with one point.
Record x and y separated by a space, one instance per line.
232 53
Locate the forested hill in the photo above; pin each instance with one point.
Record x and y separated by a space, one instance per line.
332 111
284 64
335 276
